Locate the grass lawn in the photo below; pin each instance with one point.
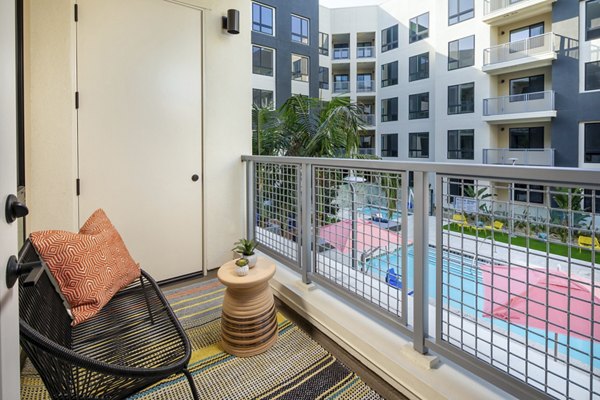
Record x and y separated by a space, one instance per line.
560 249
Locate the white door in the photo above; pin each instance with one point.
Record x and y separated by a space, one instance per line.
139 78
9 311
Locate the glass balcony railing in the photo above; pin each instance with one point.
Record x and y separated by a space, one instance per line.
519 103
530 157
490 6
369 119
365 86
341 87
341 53
519 50
365 52
366 151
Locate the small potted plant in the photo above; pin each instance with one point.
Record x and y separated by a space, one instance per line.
241 267
245 248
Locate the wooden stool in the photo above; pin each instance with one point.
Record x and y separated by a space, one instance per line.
249 321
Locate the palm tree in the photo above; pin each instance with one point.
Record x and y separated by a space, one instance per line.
266 137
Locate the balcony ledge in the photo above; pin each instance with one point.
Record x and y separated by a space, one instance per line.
525 117
518 11
520 64
409 372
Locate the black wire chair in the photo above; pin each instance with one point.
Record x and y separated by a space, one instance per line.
134 341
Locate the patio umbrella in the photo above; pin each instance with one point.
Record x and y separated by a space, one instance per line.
368 236
532 297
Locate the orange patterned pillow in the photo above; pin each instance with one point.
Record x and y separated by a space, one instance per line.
89 266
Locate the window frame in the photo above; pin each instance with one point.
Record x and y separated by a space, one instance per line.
417 35
389 116
302 75
417 99
260 23
594 151
414 152
393 44
394 80
301 34
458 151
460 13
323 84
593 33
267 49
418 74
585 75
458 60
394 149
324 50
525 193
458 107
261 93
531 133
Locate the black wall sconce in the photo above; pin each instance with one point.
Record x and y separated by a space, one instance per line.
232 22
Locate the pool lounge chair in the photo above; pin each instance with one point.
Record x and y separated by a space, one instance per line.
496 226
586 242
392 279
460 220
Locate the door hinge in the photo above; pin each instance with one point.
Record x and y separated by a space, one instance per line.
76 13
77 100
77 186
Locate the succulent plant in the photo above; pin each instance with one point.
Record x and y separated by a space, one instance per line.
244 247
242 262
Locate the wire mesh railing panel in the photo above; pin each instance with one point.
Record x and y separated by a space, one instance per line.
359 234
277 204
518 285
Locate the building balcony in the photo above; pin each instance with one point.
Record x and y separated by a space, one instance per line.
341 53
365 86
529 157
369 119
365 52
499 12
367 151
520 108
341 87
534 52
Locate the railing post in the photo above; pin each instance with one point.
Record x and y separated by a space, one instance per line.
305 223
250 213
421 273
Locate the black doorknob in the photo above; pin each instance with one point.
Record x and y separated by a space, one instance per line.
14 209
195 178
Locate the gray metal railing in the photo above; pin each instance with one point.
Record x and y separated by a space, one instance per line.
519 103
529 157
495 271
490 6
520 49
341 87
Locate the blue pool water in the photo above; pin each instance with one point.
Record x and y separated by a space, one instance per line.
463 292
371 210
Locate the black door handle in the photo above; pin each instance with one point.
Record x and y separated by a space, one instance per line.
14 209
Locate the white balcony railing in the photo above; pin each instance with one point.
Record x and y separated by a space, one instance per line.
341 53
491 267
519 103
529 157
490 6
341 87
365 86
519 50
365 52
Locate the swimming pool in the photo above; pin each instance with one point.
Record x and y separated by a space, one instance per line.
463 292
373 210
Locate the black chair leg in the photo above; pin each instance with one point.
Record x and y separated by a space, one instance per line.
191 382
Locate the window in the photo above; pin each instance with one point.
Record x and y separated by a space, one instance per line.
341 51
341 83
458 187
366 143
299 29
262 61
591 201
459 10
389 109
461 53
323 43
527 88
418 145
365 50
526 138
461 144
389 38
529 193
419 28
389 74
518 38
262 98
323 78
592 75
592 143
592 19
461 98
418 67
389 145
299 68
418 106
364 83
262 19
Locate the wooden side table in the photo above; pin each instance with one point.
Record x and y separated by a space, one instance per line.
249 321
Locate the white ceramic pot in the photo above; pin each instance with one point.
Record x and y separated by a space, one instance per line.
251 260
242 271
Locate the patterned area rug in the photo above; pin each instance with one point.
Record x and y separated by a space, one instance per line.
295 368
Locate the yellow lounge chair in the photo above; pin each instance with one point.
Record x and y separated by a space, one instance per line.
586 242
497 226
460 220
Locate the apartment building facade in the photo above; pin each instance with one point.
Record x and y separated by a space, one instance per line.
285 57
497 82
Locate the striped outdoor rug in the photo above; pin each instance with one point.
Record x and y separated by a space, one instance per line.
295 368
